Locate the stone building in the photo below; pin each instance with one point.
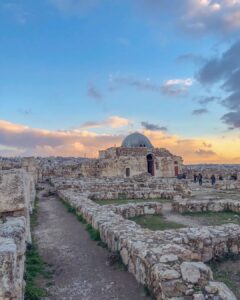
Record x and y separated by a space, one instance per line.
137 156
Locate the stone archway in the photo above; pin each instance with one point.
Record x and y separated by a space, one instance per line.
150 164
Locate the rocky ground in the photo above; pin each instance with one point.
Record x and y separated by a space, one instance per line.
80 269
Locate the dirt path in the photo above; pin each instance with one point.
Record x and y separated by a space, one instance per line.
80 266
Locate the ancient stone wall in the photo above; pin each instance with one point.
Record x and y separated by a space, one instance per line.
115 161
146 187
183 206
131 210
17 195
169 262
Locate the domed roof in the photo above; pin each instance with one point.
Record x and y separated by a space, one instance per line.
136 140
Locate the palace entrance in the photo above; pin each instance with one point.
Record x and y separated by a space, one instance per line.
150 164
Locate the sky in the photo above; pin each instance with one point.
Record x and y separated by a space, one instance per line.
77 76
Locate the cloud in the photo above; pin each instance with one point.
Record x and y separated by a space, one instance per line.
232 119
30 141
197 16
175 87
207 145
187 148
190 57
153 127
113 122
74 6
225 72
17 139
26 111
207 99
94 93
171 87
200 111
205 153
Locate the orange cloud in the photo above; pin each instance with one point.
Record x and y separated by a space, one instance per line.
17 139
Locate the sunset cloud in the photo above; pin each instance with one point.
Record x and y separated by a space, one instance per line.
17 139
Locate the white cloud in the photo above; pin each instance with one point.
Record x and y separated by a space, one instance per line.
177 86
198 16
171 87
113 122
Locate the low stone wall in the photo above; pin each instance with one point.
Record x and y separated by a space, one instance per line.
131 210
183 206
120 188
169 262
228 185
17 195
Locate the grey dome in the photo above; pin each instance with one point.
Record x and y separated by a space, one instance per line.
136 140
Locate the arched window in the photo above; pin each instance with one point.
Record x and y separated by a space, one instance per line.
127 172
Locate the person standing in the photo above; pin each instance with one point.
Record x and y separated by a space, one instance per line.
213 179
195 178
200 179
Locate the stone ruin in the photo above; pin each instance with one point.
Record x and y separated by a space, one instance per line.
213 205
170 262
144 187
17 196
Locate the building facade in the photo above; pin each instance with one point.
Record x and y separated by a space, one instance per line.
137 156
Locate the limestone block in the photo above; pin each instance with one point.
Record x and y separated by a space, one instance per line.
12 252
192 272
8 268
13 195
222 290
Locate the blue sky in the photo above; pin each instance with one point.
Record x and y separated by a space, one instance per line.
65 64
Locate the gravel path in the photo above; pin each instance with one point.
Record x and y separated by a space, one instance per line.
80 266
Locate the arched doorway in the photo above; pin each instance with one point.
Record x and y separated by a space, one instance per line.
150 164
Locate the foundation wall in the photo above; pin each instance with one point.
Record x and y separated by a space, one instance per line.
169 262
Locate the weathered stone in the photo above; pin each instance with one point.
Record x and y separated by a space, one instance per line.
223 291
155 258
198 297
